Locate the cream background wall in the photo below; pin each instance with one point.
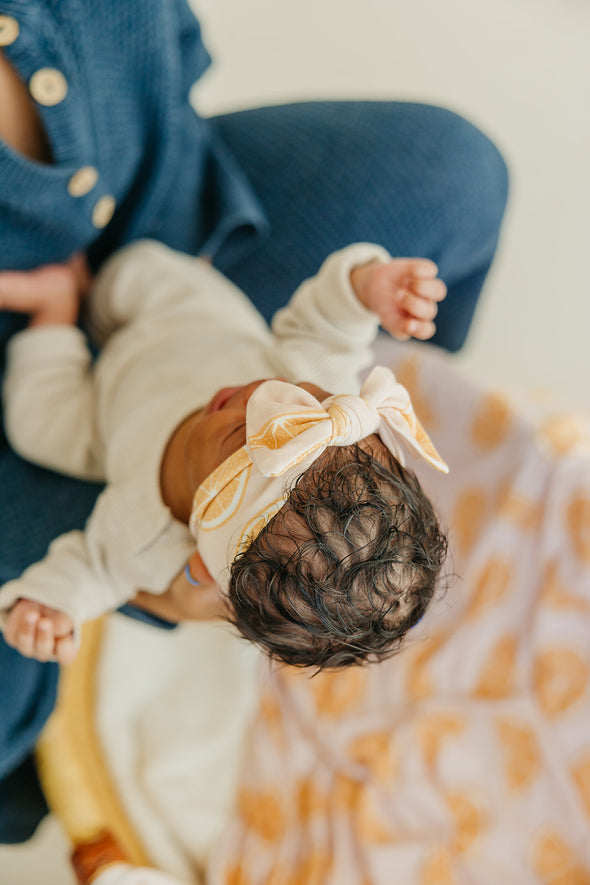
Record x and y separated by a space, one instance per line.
520 69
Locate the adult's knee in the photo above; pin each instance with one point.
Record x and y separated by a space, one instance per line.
417 178
390 149
460 176
470 166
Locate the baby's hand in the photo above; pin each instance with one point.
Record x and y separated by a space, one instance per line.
40 632
403 292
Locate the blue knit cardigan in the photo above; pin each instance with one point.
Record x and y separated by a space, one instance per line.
128 67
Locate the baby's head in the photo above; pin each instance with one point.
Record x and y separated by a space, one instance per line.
335 557
346 567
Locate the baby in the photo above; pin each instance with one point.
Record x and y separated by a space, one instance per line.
311 536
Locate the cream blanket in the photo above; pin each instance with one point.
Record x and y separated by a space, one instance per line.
464 760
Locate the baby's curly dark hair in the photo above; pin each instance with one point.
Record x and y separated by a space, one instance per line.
345 568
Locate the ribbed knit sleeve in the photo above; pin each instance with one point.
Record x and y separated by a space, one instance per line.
326 327
49 402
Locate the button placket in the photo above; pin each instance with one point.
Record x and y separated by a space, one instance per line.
48 86
50 72
9 30
103 211
82 181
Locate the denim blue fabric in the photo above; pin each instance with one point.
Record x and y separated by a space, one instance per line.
419 180
267 192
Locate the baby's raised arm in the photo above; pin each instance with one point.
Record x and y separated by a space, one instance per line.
332 319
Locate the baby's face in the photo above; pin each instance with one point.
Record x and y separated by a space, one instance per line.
219 429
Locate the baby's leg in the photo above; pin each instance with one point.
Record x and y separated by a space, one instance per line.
38 631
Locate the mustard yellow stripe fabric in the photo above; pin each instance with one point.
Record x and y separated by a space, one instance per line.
72 767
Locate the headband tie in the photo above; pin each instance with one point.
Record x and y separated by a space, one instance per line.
287 429
285 424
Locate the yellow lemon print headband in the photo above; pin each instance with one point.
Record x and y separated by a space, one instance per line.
286 430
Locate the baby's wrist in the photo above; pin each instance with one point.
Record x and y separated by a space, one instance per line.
360 279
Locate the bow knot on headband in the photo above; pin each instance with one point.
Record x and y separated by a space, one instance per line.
287 429
285 424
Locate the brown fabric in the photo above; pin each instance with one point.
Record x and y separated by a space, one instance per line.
90 858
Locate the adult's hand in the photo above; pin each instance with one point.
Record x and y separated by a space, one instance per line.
49 294
183 601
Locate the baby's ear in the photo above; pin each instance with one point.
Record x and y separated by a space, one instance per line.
199 570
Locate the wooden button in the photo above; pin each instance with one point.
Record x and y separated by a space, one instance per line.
103 211
9 30
82 181
48 86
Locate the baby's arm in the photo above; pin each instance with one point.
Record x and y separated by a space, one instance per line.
331 321
131 541
325 332
70 585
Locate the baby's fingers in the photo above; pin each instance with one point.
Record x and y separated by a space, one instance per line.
422 330
65 649
433 290
415 306
21 627
36 630
32 635
44 648
404 327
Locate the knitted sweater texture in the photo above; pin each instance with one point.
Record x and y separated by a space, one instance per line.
111 81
